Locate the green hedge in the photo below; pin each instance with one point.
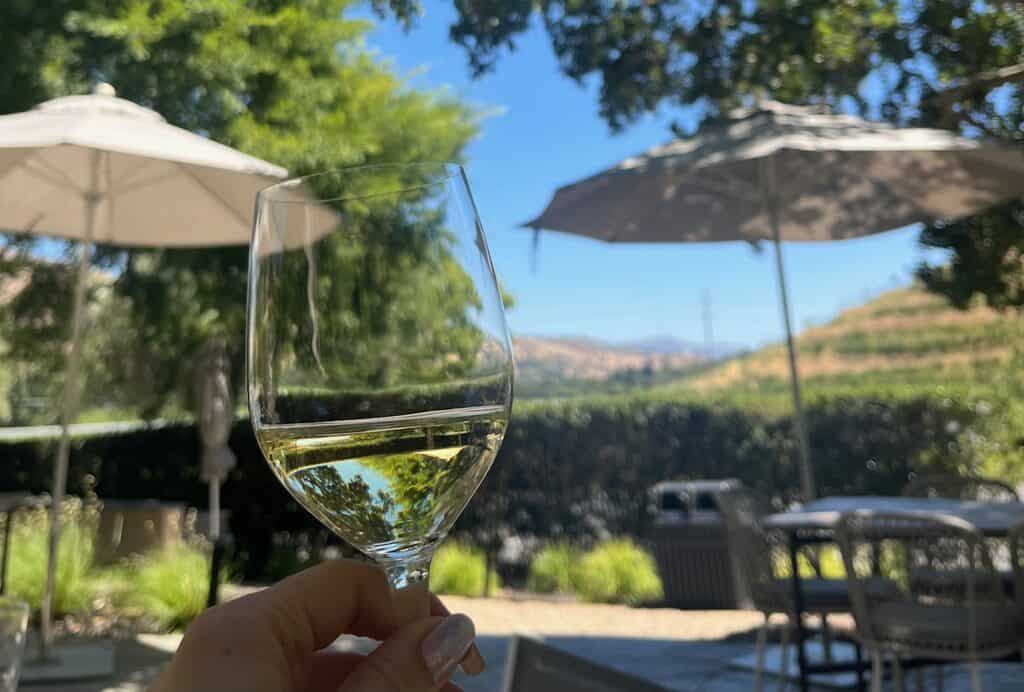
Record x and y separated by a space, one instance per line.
579 470
574 470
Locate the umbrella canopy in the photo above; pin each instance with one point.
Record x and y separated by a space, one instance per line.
838 176
780 172
157 184
102 169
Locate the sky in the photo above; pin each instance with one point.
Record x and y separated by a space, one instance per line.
543 131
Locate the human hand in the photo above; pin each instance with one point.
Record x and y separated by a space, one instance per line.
273 640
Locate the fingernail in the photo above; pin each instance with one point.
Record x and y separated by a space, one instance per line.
473 663
447 644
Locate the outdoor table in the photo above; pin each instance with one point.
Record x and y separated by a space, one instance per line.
815 523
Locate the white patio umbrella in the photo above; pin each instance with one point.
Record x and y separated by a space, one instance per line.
100 169
778 172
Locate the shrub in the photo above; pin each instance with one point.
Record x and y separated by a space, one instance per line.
76 586
618 572
579 469
460 570
169 587
553 569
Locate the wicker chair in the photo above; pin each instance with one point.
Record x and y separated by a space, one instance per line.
965 487
754 552
967 617
968 487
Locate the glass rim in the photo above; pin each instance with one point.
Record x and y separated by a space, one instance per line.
451 170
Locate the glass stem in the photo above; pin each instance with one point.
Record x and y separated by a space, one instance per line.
408 572
410 585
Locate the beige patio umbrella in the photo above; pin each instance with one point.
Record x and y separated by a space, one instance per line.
778 172
100 169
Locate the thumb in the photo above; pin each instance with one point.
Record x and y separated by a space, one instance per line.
417 658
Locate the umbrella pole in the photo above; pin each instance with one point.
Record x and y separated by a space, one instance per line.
769 192
69 409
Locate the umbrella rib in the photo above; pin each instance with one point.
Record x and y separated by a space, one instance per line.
52 175
128 175
234 212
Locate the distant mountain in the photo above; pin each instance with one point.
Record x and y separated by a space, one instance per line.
543 364
667 344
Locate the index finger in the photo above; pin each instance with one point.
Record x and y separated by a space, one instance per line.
318 605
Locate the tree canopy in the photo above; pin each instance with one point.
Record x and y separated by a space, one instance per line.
285 80
956 64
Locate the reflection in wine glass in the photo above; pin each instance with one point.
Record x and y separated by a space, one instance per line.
379 363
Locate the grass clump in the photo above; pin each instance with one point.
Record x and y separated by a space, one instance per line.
618 571
76 585
168 587
553 569
461 570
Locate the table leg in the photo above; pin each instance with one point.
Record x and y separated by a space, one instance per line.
798 610
216 562
8 525
860 666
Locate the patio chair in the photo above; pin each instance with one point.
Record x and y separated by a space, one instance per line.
961 487
533 666
967 617
754 552
968 487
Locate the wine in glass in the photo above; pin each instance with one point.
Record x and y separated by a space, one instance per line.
379 362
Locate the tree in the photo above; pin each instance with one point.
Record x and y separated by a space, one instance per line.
948 63
285 80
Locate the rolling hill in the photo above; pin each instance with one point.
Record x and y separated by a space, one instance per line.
563 366
903 335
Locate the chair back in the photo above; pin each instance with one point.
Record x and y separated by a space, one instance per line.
1015 547
961 487
942 593
753 550
533 666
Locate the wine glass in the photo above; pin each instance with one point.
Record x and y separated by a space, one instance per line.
379 363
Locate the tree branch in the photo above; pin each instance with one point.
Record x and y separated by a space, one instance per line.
983 81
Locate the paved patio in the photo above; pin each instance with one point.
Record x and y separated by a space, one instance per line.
687 651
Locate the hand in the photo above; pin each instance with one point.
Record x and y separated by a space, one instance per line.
273 640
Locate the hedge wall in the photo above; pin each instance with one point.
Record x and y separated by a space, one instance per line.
576 469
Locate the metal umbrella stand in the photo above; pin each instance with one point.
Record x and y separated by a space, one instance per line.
215 415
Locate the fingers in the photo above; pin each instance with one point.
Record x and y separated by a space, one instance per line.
314 607
328 667
419 657
473 663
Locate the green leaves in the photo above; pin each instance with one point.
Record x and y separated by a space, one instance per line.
289 81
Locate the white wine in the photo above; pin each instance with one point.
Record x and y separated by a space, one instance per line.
390 487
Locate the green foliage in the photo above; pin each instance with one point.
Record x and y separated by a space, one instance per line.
290 82
460 570
618 572
168 587
554 569
986 258
76 583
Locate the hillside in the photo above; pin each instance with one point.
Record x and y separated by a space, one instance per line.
903 335
555 367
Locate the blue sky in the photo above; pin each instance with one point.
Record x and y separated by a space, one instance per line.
545 132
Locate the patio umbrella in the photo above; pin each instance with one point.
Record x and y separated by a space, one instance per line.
216 413
100 169
779 172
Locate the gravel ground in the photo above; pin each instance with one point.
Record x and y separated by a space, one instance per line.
503 616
